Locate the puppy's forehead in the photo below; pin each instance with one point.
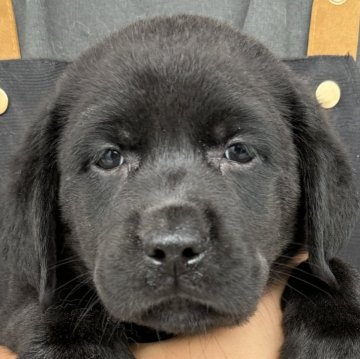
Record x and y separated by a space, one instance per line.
177 84
165 108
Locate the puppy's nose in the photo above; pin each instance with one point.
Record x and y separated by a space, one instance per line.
175 251
174 236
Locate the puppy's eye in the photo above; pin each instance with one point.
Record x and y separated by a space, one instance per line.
110 159
238 152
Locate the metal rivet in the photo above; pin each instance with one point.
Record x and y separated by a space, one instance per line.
328 94
337 2
4 101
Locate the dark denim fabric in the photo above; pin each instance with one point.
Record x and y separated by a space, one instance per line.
60 30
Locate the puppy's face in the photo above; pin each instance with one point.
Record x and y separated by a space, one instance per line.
178 175
179 178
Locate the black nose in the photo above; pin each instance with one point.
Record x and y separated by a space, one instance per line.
174 236
176 251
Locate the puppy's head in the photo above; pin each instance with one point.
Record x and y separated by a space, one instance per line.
183 161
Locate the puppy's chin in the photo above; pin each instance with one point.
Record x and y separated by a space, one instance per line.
178 314
184 316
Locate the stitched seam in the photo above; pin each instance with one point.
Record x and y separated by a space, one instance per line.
352 79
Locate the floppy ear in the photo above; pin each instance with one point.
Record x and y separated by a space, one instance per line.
30 216
329 197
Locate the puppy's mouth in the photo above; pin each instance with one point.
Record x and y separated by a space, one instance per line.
186 315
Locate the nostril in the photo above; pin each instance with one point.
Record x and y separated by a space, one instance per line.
174 250
188 253
158 254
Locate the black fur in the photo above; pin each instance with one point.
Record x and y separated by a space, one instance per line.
172 94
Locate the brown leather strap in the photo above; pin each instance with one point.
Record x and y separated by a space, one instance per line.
334 27
9 43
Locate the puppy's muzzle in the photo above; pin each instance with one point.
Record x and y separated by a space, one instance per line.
174 237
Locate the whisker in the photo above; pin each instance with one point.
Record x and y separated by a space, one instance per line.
65 261
297 269
292 257
309 283
114 329
70 281
104 324
76 288
281 281
95 300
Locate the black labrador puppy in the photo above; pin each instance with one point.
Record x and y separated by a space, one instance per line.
173 174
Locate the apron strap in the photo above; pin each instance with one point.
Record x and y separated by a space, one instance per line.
334 27
9 42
